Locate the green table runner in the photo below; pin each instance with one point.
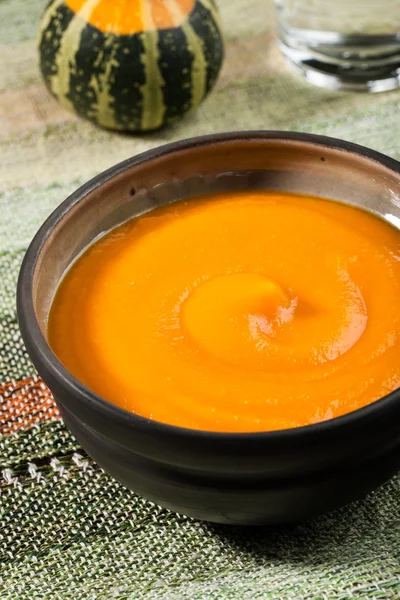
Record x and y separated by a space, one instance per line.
67 529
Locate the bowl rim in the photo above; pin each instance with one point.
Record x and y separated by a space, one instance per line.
38 346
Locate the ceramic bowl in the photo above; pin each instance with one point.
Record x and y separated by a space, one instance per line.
240 478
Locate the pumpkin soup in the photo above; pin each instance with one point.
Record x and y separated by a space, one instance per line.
237 312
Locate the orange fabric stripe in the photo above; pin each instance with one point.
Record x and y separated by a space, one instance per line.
25 403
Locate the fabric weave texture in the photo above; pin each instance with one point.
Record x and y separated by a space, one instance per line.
67 530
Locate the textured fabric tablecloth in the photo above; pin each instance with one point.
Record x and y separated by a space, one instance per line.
67 530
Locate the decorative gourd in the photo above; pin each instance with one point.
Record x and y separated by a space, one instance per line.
130 64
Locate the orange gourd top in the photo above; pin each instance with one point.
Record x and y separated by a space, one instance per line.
126 17
239 312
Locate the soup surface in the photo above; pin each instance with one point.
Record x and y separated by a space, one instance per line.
238 312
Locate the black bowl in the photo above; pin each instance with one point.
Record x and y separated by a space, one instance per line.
241 478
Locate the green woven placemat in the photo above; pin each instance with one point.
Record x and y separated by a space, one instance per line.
67 529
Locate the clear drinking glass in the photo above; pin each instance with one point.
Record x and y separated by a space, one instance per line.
342 44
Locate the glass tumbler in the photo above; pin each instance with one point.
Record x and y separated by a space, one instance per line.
342 44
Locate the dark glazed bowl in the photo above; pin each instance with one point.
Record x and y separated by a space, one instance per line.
236 478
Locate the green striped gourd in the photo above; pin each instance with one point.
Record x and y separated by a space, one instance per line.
131 65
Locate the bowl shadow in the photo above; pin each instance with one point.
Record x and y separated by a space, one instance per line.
362 530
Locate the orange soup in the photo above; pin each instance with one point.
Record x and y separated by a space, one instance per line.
238 312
